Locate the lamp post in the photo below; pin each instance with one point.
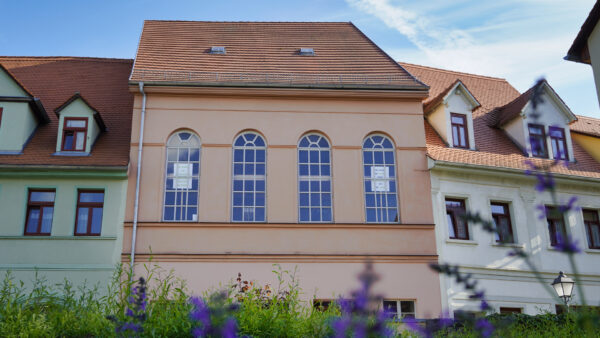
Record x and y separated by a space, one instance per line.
563 286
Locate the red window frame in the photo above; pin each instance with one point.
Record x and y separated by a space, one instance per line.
74 130
38 205
510 310
90 206
556 224
592 221
541 138
497 219
455 213
1 109
457 143
554 142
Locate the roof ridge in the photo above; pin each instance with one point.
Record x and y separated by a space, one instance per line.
455 72
87 58
246 21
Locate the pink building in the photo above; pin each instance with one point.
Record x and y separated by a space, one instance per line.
300 144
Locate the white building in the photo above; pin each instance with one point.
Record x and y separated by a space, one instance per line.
478 130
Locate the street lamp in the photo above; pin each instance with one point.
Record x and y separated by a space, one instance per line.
563 286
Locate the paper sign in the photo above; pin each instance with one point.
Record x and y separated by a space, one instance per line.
182 178
379 179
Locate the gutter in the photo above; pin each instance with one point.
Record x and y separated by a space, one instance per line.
137 179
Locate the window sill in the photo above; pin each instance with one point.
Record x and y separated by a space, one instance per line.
509 245
71 153
461 241
593 251
112 238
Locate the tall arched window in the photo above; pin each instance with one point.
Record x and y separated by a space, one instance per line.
249 168
314 179
181 181
381 201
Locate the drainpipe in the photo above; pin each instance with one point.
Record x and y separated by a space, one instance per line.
137 178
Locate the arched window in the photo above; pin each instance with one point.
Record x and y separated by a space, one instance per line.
314 179
181 181
249 168
381 201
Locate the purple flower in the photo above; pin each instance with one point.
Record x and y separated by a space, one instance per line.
201 312
569 206
230 328
544 182
484 327
416 327
484 305
340 326
129 312
567 244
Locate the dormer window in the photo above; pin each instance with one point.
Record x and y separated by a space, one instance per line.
559 143
460 131
537 139
74 134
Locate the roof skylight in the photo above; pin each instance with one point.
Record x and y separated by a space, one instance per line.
217 50
307 51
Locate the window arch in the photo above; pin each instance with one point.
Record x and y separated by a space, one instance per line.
181 180
249 178
381 200
314 179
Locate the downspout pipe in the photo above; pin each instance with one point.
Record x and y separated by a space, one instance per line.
137 179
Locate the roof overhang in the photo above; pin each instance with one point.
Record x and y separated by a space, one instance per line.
579 51
36 106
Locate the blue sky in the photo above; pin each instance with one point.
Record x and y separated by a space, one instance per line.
519 40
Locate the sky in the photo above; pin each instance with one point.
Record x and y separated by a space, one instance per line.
519 40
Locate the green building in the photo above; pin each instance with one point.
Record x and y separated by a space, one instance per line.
65 126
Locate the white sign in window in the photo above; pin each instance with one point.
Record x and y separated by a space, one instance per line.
182 177
380 179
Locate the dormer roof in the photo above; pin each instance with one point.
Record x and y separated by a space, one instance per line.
77 96
36 105
443 96
55 80
504 114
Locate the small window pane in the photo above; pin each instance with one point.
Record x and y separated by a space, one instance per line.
76 123
96 220
94 197
82 220
80 139
47 219
498 209
32 220
68 141
42 196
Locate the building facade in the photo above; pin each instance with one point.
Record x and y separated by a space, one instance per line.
64 154
480 132
300 144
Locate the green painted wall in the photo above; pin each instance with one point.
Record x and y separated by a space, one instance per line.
18 124
8 87
61 255
79 108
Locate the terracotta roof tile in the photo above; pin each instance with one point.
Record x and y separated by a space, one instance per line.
103 83
264 52
494 148
586 125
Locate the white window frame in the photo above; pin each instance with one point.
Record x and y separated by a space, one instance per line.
391 181
254 177
311 178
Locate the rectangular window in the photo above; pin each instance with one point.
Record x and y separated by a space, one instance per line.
321 304
460 135
556 225
559 143
74 134
510 310
501 219
40 209
457 226
399 308
592 227
537 139
90 204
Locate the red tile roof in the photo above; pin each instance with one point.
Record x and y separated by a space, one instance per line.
103 83
586 125
264 52
494 148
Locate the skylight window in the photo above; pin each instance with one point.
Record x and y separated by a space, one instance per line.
307 51
217 50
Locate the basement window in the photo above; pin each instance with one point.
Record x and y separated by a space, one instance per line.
217 50
307 51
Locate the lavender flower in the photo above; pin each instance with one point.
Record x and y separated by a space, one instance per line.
213 321
135 314
484 327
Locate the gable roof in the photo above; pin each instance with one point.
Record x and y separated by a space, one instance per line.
442 96
502 115
494 147
265 54
103 82
586 125
579 49
77 96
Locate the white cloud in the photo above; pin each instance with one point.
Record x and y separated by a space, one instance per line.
519 41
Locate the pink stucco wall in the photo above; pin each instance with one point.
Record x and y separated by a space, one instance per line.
328 255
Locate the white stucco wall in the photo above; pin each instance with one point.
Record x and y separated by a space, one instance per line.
508 280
